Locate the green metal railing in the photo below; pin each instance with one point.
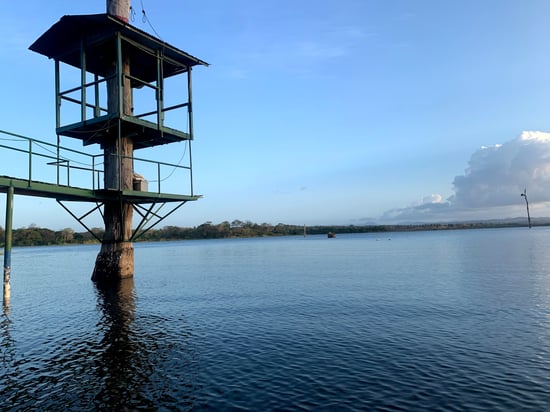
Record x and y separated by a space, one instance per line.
39 153
79 96
74 168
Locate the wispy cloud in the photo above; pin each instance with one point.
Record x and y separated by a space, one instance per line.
302 51
316 50
15 41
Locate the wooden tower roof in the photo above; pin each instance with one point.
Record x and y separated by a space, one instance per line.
64 39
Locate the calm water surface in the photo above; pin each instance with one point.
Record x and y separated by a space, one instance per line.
455 320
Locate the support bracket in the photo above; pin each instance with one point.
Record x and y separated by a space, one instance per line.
150 216
147 214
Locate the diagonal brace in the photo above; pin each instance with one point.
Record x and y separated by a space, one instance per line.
148 216
79 219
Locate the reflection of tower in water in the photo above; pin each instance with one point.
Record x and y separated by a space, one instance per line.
117 367
141 358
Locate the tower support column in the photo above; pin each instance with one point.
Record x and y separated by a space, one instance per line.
115 260
116 257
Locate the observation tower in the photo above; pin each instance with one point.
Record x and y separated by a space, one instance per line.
117 79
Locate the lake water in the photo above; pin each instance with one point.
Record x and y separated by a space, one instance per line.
449 320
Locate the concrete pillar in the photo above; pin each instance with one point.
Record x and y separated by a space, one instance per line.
116 258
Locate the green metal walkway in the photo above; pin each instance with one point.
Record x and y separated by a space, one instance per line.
67 193
69 175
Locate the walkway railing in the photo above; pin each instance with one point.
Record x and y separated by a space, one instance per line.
30 159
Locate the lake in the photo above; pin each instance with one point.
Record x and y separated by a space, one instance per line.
442 320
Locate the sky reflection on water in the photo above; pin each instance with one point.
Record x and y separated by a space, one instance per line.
455 320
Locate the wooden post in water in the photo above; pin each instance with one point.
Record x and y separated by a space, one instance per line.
7 247
116 257
524 195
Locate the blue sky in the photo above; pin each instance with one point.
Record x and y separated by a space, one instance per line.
324 112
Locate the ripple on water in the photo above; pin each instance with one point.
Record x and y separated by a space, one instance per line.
227 325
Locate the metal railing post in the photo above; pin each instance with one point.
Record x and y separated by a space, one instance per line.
191 135
93 172
83 81
97 110
57 160
30 161
158 176
160 92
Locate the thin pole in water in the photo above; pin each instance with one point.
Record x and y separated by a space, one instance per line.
524 195
7 246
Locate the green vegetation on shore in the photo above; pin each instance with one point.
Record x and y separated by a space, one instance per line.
35 236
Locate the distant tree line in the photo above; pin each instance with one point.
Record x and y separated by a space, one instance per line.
240 229
35 236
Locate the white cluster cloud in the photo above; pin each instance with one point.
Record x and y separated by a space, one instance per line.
494 178
433 198
496 174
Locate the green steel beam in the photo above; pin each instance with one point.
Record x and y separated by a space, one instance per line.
66 193
57 95
83 97
145 219
80 219
190 114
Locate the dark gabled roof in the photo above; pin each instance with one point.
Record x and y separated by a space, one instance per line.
97 32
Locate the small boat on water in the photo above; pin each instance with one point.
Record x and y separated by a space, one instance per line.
330 235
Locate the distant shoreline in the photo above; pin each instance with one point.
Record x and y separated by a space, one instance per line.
35 236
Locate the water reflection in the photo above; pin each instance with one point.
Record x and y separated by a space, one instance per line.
123 356
7 346
144 360
122 363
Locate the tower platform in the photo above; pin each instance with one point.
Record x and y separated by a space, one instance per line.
76 194
91 43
